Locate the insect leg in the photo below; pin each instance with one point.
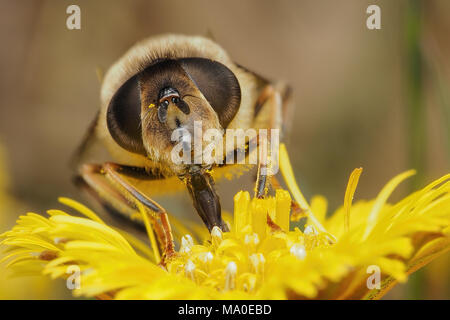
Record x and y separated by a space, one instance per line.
268 115
112 171
285 106
261 181
115 191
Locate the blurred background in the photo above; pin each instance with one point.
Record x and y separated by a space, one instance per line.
378 99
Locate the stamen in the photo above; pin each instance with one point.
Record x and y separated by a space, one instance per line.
189 270
257 260
298 251
216 236
310 231
252 283
251 239
206 257
230 276
186 244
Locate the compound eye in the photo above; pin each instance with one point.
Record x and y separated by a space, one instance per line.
124 117
218 84
175 100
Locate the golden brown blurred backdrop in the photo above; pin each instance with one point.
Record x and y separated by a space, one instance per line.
352 88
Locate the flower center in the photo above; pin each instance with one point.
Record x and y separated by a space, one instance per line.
243 258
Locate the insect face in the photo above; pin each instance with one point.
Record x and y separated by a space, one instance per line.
178 104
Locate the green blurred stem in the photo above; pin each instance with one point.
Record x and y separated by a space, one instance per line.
416 116
416 110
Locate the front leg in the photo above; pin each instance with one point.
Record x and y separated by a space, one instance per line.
270 108
274 101
112 188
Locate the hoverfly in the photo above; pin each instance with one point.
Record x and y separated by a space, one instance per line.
161 84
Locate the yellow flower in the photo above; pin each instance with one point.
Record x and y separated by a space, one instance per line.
260 258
